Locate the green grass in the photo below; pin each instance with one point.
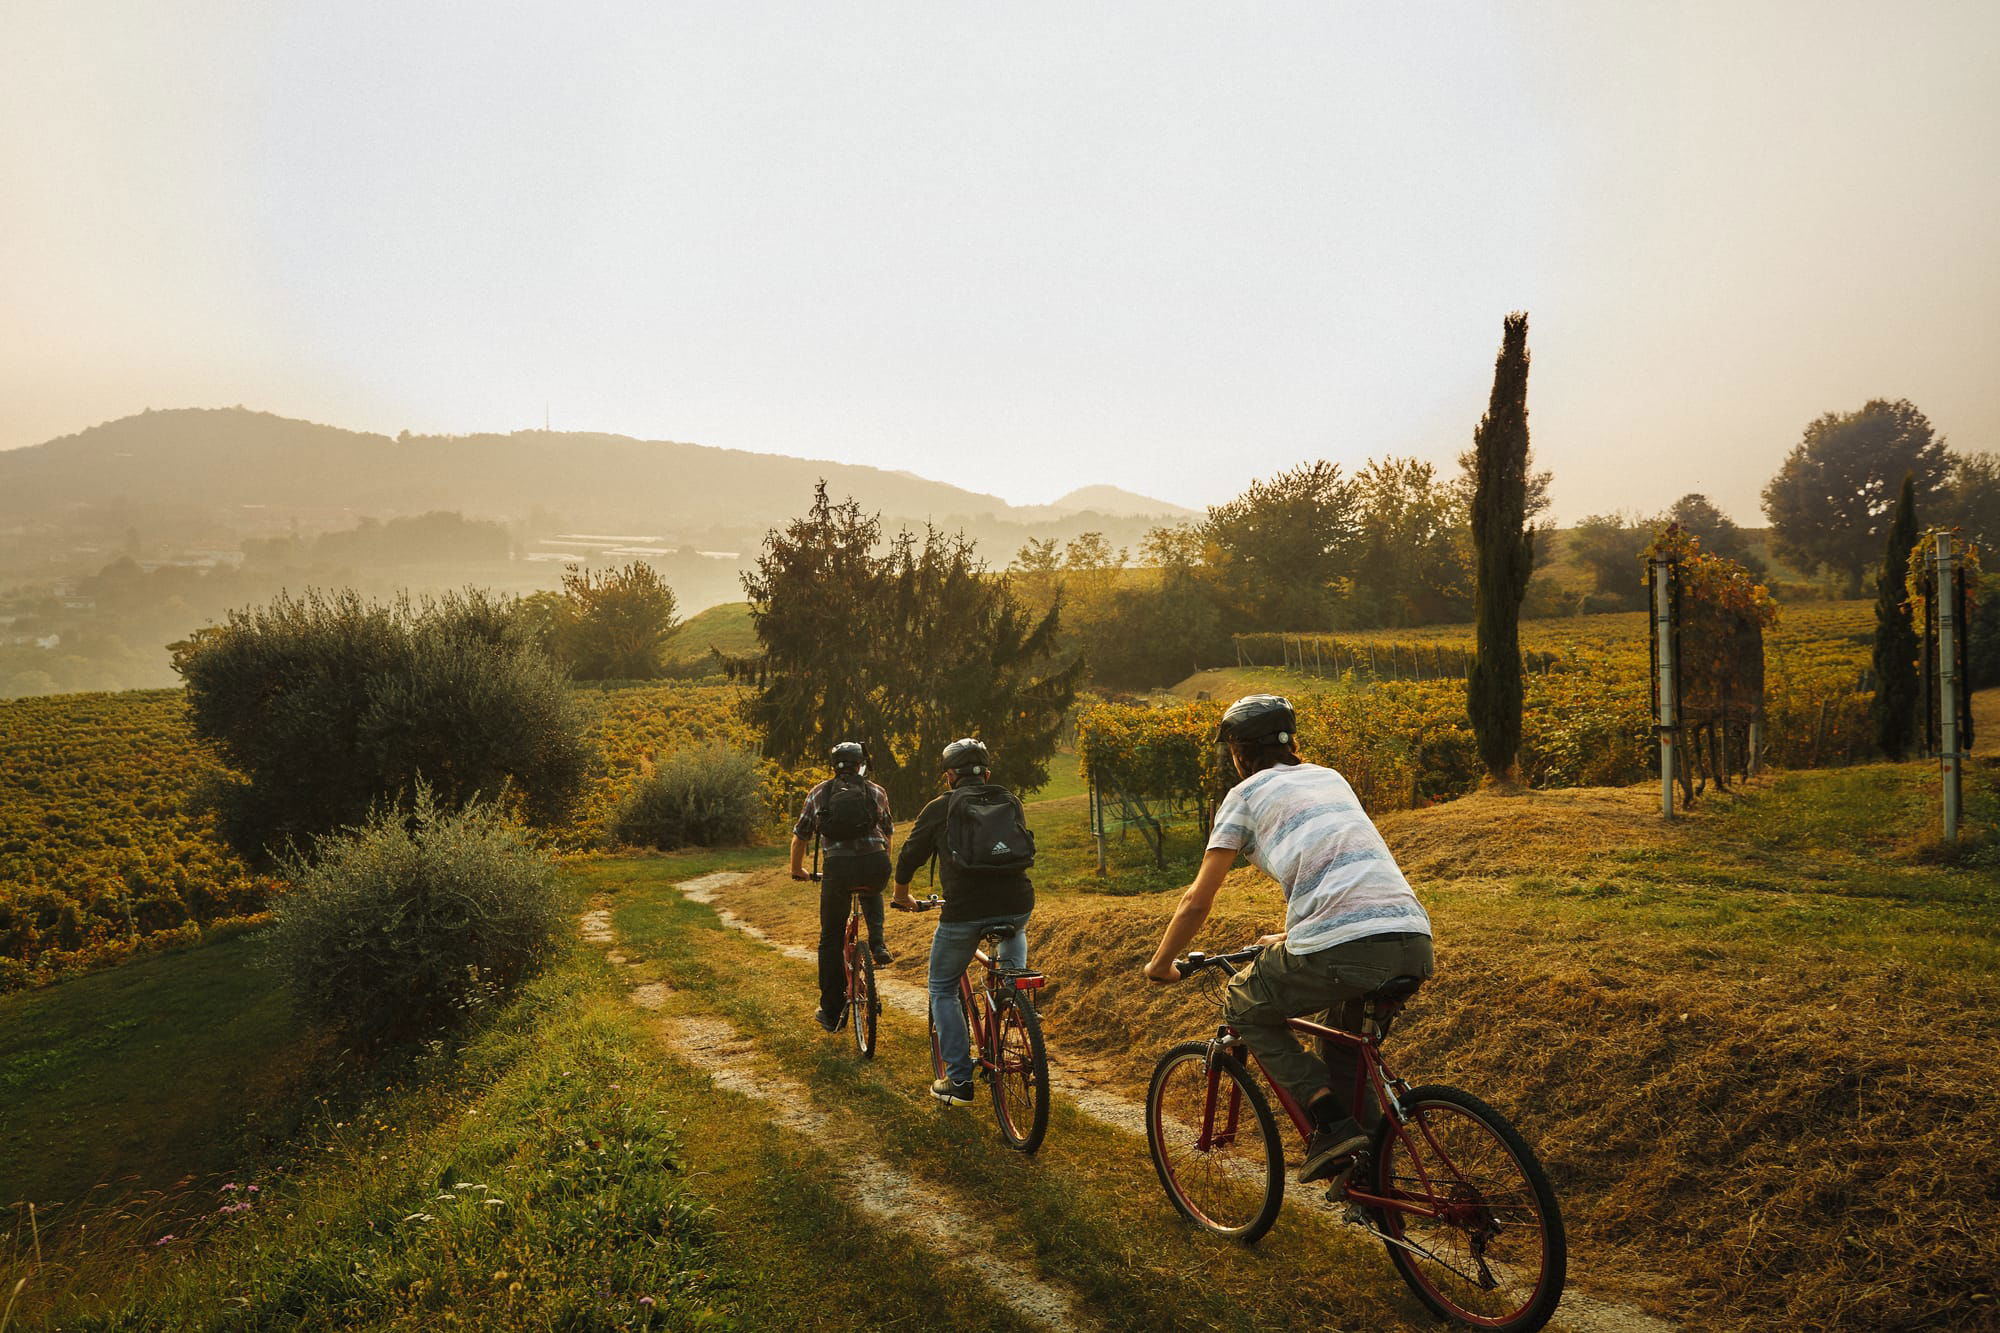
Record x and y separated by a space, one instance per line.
724 628
169 1066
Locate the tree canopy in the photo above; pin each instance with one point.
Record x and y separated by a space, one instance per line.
324 707
904 649
1830 502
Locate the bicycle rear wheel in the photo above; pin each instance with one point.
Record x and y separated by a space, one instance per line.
1021 1075
863 1005
1220 1162
1481 1240
971 1031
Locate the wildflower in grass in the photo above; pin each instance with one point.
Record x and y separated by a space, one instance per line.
164 1239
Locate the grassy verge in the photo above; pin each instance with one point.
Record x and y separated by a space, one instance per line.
146 1074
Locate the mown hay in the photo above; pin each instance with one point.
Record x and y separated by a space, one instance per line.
1811 1148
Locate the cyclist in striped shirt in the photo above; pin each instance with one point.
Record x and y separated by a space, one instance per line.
1351 920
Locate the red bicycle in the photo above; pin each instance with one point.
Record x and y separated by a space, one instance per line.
863 1010
1448 1186
1006 1036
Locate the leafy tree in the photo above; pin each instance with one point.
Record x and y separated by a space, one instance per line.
615 624
1504 547
1830 502
1971 502
1608 545
1413 547
1897 689
1696 514
905 650
1282 552
324 707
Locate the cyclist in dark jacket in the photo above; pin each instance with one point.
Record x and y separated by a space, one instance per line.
972 902
856 859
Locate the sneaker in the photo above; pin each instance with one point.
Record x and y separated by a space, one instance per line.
826 1020
952 1094
881 955
1330 1147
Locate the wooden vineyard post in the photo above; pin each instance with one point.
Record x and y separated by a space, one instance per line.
1949 761
1666 713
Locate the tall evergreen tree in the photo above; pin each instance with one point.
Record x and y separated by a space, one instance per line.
1504 553
1896 684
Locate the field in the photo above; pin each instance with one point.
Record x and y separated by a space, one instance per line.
101 856
1387 707
1708 1029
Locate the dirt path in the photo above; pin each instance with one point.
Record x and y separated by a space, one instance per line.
1580 1312
943 1226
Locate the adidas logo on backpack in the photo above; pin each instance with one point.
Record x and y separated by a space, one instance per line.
985 831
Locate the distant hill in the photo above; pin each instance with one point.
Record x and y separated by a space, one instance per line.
1111 501
230 457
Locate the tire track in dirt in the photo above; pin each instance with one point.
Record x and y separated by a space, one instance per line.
882 1191
1578 1311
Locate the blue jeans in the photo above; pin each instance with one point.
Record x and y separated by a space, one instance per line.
951 953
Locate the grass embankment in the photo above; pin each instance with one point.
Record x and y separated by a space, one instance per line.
556 1172
721 629
1753 1046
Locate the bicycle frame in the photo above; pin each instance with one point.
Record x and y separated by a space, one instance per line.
984 1005
1372 1075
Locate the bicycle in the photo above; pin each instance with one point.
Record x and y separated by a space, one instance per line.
1006 1037
863 1011
1448 1186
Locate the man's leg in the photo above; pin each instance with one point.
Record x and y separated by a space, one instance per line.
951 950
832 942
1014 952
1279 986
1365 965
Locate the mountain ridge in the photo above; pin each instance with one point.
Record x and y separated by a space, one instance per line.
234 456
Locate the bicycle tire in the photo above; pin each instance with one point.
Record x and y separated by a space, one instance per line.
1501 1221
971 1031
1021 1075
1236 1189
864 1005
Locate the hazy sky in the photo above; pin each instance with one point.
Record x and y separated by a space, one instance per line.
1018 247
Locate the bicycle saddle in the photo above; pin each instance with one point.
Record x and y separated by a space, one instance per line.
1395 988
999 933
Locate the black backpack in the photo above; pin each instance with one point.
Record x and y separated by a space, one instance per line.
850 812
986 831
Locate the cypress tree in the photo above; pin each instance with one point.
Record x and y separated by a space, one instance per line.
1504 550
1896 684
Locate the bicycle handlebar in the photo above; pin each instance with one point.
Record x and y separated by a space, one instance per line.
1228 962
929 904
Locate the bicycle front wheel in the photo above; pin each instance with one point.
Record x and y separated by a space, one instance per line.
1215 1143
1021 1075
1476 1231
863 1005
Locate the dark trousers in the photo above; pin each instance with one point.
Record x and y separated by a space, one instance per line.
843 876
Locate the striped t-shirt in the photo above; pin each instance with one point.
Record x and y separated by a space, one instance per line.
1301 825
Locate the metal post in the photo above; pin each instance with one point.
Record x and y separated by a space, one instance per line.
1755 760
1663 632
1948 756
1097 822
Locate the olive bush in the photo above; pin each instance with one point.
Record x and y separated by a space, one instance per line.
406 927
704 796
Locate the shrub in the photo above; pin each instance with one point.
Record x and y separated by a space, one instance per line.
706 796
410 925
326 706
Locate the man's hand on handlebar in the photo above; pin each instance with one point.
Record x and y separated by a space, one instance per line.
803 877
1162 972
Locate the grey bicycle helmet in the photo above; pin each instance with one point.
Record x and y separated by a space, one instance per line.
850 757
1259 717
965 757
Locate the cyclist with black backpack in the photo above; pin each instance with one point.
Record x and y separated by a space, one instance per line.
979 834
848 816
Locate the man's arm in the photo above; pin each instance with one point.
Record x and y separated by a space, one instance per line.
918 848
799 846
1192 912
